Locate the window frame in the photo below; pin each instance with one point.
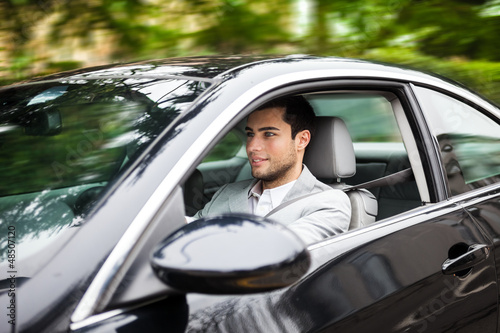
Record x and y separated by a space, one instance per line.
397 95
489 113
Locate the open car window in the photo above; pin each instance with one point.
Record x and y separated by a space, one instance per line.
378 144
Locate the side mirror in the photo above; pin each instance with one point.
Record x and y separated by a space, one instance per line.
230 254
43 122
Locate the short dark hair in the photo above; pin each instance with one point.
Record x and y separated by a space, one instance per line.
299 114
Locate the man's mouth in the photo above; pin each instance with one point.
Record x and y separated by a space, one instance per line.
257 160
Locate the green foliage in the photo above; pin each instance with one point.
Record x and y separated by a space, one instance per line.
456 38
240 30
480 76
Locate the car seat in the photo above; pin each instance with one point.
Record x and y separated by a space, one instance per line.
330 157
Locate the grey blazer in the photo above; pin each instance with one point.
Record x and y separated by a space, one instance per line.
312 218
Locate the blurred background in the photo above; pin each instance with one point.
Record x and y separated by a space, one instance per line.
458 39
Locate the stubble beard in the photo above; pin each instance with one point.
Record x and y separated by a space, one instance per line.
275 173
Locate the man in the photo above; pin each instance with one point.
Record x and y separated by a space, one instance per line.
277 136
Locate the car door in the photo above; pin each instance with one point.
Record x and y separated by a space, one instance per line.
395 281
385 278
427 269
435 271
403 280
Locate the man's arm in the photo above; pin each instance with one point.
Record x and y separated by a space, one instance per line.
327 215
205 210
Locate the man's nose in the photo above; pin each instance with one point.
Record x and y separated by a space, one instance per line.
254 144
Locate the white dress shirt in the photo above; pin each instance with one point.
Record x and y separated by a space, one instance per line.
261 203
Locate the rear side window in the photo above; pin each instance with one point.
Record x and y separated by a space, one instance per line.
378 144
368 117
469 141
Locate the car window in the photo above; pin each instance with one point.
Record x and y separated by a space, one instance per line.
61 143
378 145
223 164
227 148
369 117
469 141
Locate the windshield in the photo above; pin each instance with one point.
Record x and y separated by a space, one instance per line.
62 143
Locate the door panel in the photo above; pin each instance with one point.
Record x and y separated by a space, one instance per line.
396 284
386 279
487 215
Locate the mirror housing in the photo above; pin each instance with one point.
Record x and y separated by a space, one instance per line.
45 122
230 254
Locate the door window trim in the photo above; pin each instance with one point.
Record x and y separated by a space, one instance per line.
492 112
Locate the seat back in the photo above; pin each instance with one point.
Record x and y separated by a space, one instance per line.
330 157
193 193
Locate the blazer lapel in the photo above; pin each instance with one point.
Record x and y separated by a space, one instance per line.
303 185
238 200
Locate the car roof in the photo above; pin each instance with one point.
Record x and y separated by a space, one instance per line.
200 67
255 69
220 67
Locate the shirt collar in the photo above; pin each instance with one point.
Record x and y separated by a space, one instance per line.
256 190
277 194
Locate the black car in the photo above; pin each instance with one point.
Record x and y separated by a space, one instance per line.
101 166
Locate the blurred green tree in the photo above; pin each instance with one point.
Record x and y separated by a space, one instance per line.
234 26
41 36
449 28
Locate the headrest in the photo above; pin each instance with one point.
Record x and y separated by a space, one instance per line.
330 154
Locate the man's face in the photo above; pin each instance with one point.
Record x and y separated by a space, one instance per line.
273 155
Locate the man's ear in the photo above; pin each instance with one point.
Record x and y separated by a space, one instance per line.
302 139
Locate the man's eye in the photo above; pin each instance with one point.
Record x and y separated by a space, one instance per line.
250 134
269 134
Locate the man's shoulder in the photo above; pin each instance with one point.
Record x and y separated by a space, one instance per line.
322 186
308 177
328 193
237 186
308 183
